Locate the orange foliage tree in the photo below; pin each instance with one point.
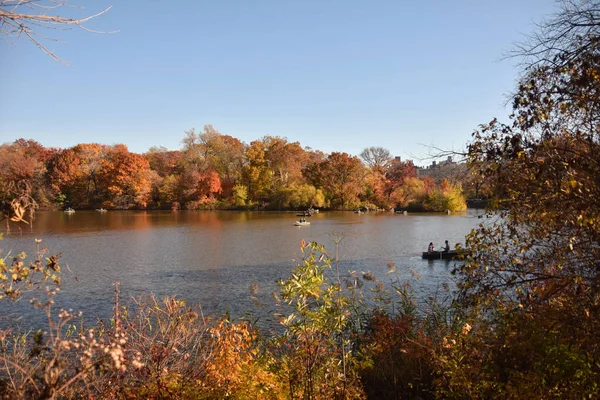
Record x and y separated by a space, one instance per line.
341 177
126 178
22 170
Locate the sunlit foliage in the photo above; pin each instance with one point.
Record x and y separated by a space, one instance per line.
532 277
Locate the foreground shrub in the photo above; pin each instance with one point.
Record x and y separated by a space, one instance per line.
313 356
401 358
520 355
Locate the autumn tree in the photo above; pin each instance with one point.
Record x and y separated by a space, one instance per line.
341 177
531 280
125 178
411 193
193 150
22 178
374 189
167 166
396 174
311 172
448 197
74 174
544 164
257 176
64 172
200 188
200 182
163 161
169 192
378 161
224 154
285 159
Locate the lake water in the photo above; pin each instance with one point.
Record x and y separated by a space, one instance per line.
213 257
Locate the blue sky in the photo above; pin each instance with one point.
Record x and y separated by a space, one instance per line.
333 75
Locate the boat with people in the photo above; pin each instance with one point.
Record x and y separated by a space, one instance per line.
101 210
69 210
440 255
302 223
308 213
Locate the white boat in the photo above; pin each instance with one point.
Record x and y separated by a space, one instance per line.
301 223
101 209
69 210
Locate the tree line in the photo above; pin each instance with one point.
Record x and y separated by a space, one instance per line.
217 171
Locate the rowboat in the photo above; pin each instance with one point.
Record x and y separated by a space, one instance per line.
69 210
440 255
301 223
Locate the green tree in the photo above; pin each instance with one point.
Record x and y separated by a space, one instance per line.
169 191
240 195
315 358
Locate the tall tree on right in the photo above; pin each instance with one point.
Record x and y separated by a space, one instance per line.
532 279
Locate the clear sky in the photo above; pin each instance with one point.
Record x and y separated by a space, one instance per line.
335 75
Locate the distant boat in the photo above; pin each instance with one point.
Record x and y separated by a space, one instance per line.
357 212
69 210
301 223
101 209
440 255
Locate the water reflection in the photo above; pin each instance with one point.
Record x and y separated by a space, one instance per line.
213 257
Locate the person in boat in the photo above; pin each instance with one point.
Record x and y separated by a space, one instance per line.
446 247
430 248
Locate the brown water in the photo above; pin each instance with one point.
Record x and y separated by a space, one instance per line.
212 258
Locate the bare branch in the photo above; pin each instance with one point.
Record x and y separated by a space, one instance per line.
435 152
376 157
29 18
562 37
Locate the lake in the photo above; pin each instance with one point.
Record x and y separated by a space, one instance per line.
213 257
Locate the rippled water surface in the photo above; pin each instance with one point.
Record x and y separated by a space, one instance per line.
212 258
